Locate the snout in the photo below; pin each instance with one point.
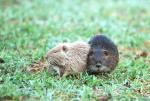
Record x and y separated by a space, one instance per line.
47 56
98 65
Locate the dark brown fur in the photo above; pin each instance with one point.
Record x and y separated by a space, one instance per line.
103 55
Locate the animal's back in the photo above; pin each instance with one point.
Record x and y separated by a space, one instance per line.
78 56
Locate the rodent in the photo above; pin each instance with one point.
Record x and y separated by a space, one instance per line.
103 55
68 58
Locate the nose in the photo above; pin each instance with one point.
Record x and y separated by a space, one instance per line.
98 64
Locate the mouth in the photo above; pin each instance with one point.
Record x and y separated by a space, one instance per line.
104 69
57 68
96 70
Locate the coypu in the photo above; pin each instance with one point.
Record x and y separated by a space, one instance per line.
103 55
68 58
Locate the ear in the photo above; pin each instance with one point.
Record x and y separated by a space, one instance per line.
65 48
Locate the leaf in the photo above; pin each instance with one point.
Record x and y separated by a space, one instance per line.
147 43
104 98
141 53
38 66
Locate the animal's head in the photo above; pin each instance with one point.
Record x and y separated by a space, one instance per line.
103 55
57 56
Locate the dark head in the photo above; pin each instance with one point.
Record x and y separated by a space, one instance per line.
103 55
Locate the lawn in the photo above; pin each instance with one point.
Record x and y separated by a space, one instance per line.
28 28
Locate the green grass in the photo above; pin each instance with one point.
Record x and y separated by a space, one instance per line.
28 28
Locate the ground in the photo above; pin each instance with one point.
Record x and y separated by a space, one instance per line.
28 28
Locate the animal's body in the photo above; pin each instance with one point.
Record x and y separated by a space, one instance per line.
68 58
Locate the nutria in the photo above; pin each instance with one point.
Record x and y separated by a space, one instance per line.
68 58
103 55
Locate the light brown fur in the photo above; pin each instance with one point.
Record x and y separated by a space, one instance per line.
68 58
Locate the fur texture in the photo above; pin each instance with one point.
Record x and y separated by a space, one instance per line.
68 58
103 55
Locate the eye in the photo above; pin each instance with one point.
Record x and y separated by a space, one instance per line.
106 53
64 48
91 52
55 51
